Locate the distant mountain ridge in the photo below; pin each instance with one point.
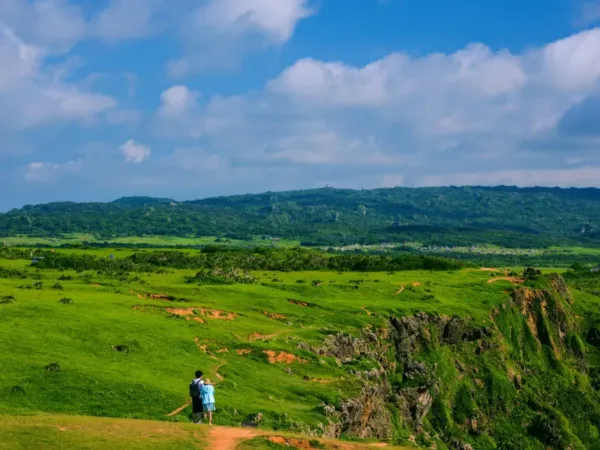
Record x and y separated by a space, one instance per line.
502 215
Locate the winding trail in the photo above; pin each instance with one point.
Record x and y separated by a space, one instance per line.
513 280
264 337
178 410
226 438
219 376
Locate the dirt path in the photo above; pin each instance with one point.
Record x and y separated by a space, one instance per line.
513 280
264 337
226 438
178 410
219 376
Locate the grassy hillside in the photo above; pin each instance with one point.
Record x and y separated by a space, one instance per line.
456 358
504 216
54 432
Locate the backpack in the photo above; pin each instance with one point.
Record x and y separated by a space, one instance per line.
194 390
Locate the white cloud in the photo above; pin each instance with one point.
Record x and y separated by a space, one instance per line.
319 146
473 90
177 100
580 177
179 114
574 63
398 77
40 172
54 24
473 108
275 20
134 152
17 59
58 25
218 32
31 94
333 83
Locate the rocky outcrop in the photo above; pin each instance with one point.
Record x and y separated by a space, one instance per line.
343 347
421 331
447 380
547 312
366 416
415 402
346 348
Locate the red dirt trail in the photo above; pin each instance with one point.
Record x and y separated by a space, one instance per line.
178 410
226 438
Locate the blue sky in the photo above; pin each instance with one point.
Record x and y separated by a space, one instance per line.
212 97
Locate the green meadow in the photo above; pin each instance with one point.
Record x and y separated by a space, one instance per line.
79 343
150 379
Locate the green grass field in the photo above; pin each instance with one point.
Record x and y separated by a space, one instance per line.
117 349
151 379
58 432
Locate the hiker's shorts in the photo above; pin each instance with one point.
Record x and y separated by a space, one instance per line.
208 407
196 405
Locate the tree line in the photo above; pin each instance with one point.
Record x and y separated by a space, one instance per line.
506 216
271 259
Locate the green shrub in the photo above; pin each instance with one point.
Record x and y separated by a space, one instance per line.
464 406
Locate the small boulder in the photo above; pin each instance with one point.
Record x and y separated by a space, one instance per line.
53 367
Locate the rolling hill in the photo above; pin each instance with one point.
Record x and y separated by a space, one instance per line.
506 216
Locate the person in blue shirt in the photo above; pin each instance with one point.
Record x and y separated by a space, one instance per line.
208 400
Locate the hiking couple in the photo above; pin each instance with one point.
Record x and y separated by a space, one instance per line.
203 398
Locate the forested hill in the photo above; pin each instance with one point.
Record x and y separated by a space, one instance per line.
447 216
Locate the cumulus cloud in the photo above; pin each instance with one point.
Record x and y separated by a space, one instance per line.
179 114
218 31
31 94
177 100
574 63
470 116
474 70
134 152
18 59
58 25
275 20
54 24
430 116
